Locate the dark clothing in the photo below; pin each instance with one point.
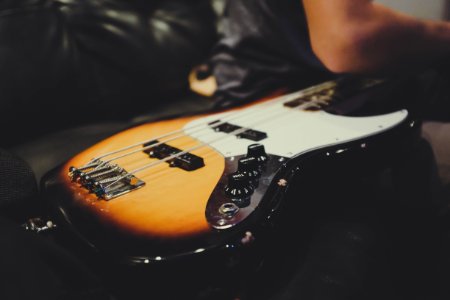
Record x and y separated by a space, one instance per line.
264 46
32 267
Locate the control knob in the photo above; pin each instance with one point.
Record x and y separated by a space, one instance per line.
250 166
257 151
239 186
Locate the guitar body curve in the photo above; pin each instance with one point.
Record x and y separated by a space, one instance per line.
201 185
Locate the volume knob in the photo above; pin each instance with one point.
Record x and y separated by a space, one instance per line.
239 186
250 166
258 152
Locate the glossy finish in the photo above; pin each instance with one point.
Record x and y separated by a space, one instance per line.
181 213
170 205
247 202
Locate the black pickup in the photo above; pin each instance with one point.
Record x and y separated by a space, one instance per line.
185 161
249 134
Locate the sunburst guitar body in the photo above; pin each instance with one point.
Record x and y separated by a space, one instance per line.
213 183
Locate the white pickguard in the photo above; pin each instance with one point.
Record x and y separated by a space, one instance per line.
290 131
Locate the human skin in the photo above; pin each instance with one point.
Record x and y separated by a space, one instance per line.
359 36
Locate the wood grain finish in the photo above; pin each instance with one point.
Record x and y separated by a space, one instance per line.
172 203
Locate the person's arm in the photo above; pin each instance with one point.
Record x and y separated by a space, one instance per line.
359 36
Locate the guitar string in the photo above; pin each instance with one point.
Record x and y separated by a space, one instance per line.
200 127
182 130
237 132
216 125
188 132
287 98
281 111
269 103
184 134
155 163
202 144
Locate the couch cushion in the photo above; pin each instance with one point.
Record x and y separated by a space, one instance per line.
72 62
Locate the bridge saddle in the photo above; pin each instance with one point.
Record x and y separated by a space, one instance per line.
105 180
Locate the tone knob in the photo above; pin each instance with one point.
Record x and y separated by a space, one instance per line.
239 186
257 151
250 166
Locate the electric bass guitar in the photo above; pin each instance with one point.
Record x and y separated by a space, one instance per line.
210 183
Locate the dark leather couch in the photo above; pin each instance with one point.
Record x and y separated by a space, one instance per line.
66 63
73 72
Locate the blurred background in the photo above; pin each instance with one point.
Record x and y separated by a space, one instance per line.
435 9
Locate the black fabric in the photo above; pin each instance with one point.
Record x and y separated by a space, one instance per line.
33 267
18 188
65 63
51 150
264 46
